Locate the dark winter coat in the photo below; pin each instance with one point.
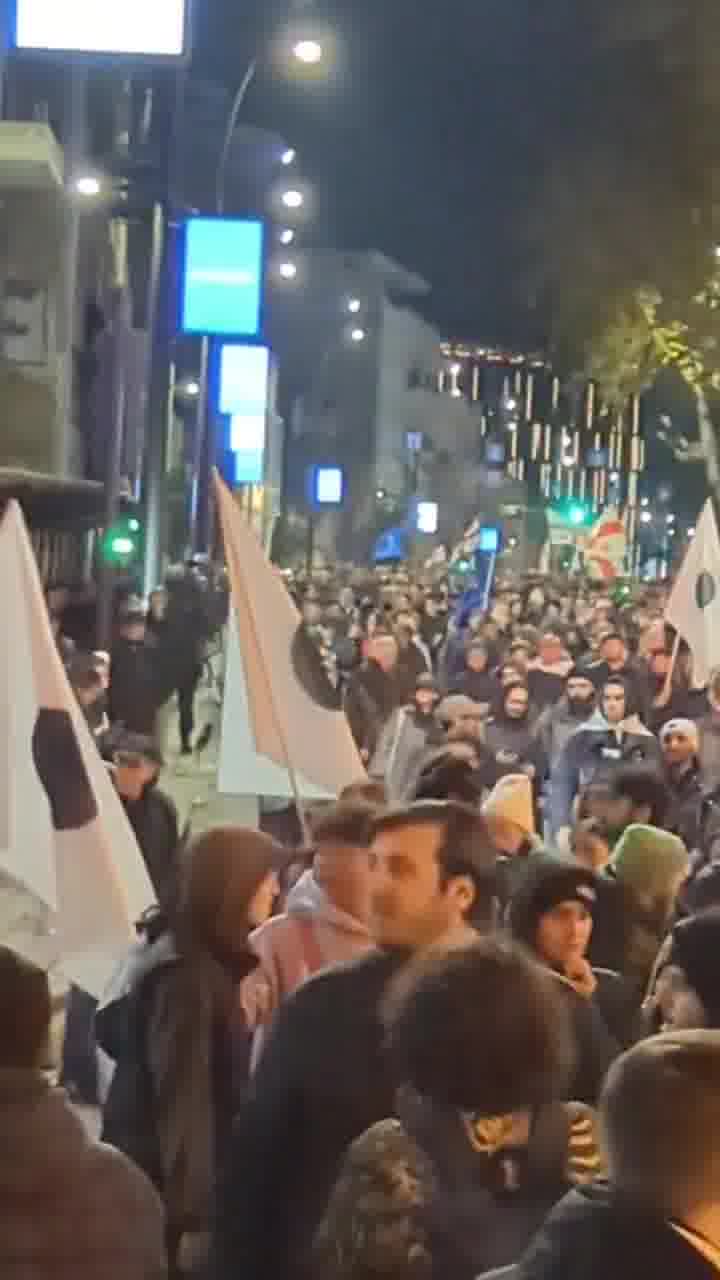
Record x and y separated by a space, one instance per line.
514 748
685 813
371 697
322 1081
133 697
593 754
482 687
154 819
593 1235
556 725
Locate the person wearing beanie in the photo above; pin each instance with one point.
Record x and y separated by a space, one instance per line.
510 816
560 720
680 745
639 890
687 992
552 915
69 1206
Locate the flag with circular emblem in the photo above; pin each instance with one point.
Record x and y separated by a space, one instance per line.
694 605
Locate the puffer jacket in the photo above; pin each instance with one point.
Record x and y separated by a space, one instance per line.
70 1208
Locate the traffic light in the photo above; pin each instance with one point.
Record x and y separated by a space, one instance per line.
573 511
121 543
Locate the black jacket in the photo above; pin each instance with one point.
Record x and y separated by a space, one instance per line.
687 805
371 697
591 1235
133 697
596 1047
321 1082
154 819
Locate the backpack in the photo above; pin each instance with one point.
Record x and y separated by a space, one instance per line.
129 1116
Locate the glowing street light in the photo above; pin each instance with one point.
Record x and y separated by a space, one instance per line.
191 388
309 52
88 186
288 270
287 236
288 157
644 502
357 335
292 198
646 517
354 306
511 404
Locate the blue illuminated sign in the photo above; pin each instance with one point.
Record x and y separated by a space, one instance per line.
489 540
243 396
326 486
222 277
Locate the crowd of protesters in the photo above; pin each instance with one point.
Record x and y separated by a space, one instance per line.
473 1024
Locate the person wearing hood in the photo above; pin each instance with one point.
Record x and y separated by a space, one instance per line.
680 745
325 920
134 697
614 663
482 1148
510 817
557 723
638 894
70 1208
476 681
137 765
405 740
659 1212
510 738
552 914
613 736
547 674
171 1024
687 986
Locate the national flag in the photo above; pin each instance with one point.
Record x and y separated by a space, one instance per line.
694 605
66 846
606 547
294 709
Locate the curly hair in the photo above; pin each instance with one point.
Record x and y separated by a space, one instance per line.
500 1038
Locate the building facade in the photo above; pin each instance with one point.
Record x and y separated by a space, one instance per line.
560 441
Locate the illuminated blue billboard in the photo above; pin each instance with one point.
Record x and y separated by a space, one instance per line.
222 278
243 396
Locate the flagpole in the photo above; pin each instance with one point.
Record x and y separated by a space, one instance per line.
292 775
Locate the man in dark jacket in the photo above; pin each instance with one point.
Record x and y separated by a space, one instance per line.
324 1077
680 744
152 814
660 1213
373 693
133 698
556 724
611 737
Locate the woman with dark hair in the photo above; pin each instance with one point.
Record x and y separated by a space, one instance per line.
172 1025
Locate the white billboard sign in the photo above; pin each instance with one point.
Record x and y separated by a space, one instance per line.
133 28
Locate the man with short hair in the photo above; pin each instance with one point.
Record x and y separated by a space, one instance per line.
558 722
324 1076
373 693
660 1212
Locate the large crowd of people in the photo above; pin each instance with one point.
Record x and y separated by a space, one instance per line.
473 1024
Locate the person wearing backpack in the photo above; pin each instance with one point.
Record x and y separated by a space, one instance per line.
172 1026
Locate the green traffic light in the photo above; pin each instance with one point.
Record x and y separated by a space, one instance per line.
121 546
577 515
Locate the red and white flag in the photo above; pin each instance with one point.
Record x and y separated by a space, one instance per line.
606 547
694 605
294 710
66 847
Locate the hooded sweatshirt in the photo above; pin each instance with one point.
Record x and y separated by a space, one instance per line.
70 1208
312 934
592 753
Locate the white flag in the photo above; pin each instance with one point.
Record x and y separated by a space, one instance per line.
65 841
294 710
694 605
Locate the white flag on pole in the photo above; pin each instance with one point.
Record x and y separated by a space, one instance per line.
65 842
694 605
294 710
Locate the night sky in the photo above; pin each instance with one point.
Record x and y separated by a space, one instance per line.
428 142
